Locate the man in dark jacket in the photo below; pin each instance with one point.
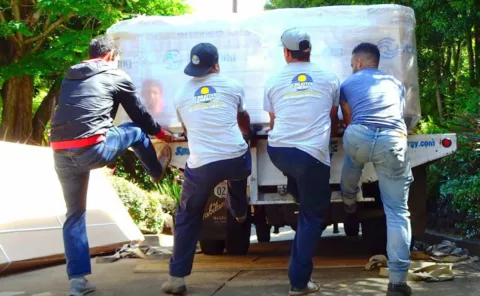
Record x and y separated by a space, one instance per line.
83 138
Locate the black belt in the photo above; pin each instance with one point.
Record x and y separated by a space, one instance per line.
74 152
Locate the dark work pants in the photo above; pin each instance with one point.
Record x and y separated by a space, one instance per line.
309 183
198 185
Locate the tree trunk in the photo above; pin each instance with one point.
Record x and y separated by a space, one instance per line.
477 47
471 58
456 67
456 62
17 96
438 63
448 62
439 102
44 114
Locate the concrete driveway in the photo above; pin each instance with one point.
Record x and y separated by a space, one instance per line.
262 272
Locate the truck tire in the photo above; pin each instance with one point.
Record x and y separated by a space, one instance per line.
417 202
212 247
294 226
374 234
237 240
263 232
351 227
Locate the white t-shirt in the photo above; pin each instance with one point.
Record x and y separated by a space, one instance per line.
301 96
208 107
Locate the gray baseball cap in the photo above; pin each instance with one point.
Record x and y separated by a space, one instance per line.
292 40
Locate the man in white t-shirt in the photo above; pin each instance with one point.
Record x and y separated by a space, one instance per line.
212 110
302 100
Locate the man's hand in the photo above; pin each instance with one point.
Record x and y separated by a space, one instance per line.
254 129
164 136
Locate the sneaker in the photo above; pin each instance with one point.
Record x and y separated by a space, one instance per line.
164 156
311 287
399 290
156 179
80 286
174 286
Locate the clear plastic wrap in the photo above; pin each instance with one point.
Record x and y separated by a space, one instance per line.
155 50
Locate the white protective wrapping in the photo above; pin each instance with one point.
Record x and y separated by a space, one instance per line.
158 48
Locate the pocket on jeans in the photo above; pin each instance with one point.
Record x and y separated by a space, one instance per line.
397 161
351 149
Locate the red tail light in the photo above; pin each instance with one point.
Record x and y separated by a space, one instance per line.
446 143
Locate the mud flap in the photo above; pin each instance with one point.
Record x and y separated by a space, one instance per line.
215 214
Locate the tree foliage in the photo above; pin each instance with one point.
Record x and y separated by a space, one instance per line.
41 38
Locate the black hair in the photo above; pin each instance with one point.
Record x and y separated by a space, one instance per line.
100 46
368 49
304 53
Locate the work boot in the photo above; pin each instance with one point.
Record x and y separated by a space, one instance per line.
80 286
174 286
311 287
399 290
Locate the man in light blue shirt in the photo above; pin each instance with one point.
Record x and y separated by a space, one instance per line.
372 103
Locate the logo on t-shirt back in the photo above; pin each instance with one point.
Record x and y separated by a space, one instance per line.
302 82
205 94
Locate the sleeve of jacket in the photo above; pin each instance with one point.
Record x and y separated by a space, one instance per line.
127 96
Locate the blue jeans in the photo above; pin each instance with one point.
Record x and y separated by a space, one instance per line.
197 186
387 150
73 173
309 183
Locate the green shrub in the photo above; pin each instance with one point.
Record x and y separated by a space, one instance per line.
167 192
169 205
170 191
454 180
144 208
464 195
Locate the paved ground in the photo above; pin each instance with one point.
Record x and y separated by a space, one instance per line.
119 279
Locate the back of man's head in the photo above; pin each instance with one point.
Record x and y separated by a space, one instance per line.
368 52
297 44
101 46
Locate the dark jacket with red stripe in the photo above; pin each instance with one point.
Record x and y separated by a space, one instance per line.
89 99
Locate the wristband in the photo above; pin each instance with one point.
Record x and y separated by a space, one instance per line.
160 135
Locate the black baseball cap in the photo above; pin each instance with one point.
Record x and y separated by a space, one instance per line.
202 59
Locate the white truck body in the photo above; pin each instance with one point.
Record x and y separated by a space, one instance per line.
158 48
423 149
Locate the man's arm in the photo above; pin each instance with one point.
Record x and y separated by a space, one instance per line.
334 119
347 113
243 120
184 129
334 110
268 106
272 120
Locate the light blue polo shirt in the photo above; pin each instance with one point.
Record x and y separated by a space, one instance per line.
376 99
